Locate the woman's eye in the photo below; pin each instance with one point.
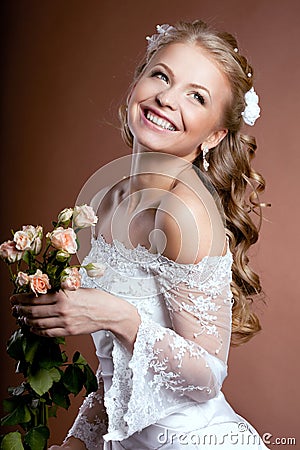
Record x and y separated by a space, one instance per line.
199 98
161 76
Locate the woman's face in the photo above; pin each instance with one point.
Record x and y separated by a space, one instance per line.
178 102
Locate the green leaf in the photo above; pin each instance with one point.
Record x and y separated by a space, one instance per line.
52 411
12 441
79 359
60 340
26 257
50 355
60 395
73 379
91 383
42 380
37 437
15 345
30 347
9 404
64 357
20 414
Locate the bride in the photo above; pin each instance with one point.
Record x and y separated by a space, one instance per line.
173 235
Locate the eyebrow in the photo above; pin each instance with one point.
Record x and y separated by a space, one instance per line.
193 85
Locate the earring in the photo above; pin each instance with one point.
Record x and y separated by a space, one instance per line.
125 118
205 162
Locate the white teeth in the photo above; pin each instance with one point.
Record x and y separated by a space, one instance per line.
160 122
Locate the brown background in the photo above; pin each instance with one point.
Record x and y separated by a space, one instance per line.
66 66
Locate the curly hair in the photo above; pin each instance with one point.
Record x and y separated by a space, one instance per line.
230 168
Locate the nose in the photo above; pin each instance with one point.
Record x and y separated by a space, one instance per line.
167 98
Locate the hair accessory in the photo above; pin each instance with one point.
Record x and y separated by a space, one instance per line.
162 30
236 50
252 110
205 162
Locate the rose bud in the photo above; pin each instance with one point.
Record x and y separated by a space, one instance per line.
71 279
62 255
22 279
95 270
65 215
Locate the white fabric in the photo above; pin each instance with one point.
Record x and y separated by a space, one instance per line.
172 381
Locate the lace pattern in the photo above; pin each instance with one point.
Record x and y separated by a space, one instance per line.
181 349
91 422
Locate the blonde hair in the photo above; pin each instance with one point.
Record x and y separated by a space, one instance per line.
230 168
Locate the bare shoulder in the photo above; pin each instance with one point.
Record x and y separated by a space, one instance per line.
190 223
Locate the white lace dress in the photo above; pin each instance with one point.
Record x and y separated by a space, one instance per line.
167 393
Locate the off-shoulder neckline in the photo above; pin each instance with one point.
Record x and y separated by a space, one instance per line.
141 249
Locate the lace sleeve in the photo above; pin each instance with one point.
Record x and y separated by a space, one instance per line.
91 422
191 358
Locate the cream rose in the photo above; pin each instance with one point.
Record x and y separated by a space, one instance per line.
22 240
9 252
84 216
39 282
63 239
71 279
29 238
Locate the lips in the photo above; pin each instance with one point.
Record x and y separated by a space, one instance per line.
159 120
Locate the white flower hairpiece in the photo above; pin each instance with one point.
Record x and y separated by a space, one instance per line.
252 110
162 30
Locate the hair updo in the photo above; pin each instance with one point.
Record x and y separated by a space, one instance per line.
230 169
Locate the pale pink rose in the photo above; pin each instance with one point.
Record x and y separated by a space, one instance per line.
22 279
95 270
22 240
9 252
39 282
84 216
71 279
64 239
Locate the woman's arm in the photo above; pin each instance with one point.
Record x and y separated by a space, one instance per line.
84 311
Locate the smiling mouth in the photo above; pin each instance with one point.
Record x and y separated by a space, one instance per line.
159 121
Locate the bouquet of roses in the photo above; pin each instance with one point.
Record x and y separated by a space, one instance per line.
49 378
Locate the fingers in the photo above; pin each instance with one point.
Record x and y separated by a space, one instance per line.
22 299
31 299
35 312
43 299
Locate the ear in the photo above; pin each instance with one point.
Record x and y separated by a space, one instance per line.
215 138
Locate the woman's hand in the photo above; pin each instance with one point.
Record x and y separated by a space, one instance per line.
83 311
62 313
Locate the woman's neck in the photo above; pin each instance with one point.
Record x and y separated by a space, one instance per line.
154 170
